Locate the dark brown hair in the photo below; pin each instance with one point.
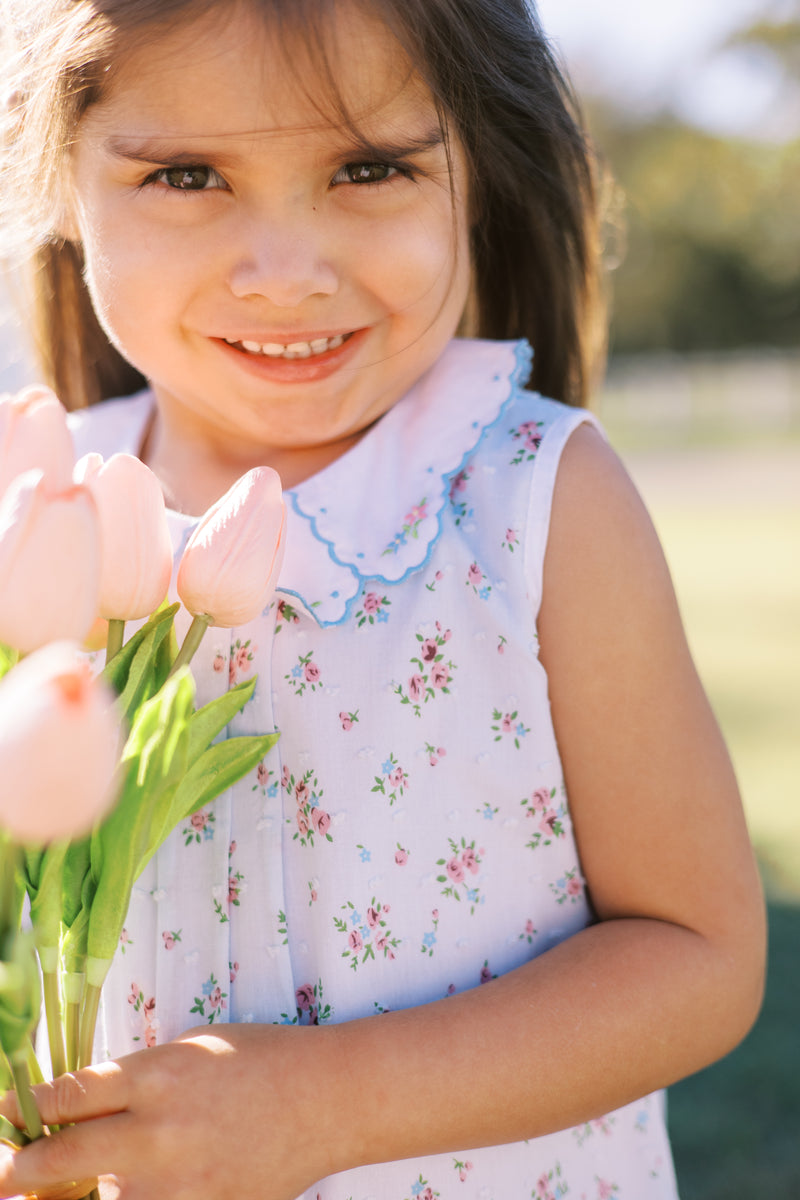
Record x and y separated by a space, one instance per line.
497 87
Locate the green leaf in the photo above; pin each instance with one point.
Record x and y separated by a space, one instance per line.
76 868
20 995
45 897
155 760
218 768
8 659
117 673
211 719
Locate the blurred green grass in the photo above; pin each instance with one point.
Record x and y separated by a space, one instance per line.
730 526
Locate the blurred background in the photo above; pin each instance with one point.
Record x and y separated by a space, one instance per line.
695 105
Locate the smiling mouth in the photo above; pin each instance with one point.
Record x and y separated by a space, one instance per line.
290 350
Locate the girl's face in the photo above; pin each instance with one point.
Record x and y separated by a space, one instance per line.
279 279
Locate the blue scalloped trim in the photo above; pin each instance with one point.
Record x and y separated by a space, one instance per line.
523 355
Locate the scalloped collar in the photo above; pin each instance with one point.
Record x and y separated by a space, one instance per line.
376 512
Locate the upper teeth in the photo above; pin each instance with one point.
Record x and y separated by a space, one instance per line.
290 350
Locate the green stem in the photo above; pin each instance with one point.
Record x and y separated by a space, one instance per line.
54 1016
27 1105
91 1007
73 1028
116 635
34 1069
191 642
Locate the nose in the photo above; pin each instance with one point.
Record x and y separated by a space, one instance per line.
281 263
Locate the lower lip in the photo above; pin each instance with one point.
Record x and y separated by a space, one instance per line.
295 370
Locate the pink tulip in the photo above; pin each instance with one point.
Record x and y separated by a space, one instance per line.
58 746
230 566
49 563
34 434
136 552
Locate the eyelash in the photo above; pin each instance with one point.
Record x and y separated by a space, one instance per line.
394 170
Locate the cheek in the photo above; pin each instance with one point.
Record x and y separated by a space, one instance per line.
414 259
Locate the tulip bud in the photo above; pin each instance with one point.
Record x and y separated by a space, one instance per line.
136 551
59 734
34 434
49 563
230 566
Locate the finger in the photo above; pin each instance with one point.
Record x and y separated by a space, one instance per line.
80 1152
91 1092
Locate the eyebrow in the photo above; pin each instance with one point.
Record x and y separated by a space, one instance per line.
168 150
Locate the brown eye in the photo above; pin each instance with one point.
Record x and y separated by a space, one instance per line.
189 179
364 173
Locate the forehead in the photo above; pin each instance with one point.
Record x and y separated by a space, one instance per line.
231 72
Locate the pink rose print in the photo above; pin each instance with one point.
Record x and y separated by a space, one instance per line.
392 781
285 778
606 1190
200 827
568 888
440 676
320 820
396 777
149 1036
501 645
540 799
428 650
463 1169
311 817
124 940
305 996
410 529
234 887
369 934
401 856
213 997
170 937
262 774
285 612
304 674
510 540
348 719
233 971
432 674
474 574
486 973
134 994
219 662
241 658
372 602
463 858
529 433
455 871
470 860
574 887
355 941
506 724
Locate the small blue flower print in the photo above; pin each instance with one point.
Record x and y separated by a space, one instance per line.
272 791
297 671
208 987
387 767
355 917
521 730
208 833
365 855
416 1188
484 593
472 895
429 939
488 813
382 615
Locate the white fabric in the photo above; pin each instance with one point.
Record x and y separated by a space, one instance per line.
409 836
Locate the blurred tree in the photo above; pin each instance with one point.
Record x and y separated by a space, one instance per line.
712 254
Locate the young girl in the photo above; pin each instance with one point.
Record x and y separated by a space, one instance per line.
496 764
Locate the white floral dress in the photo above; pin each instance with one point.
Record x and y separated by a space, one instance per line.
409 835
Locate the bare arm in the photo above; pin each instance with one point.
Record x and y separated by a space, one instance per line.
667 981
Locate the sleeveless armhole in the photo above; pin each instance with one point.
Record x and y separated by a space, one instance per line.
540 499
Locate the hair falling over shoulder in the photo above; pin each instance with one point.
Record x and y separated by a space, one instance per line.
535 211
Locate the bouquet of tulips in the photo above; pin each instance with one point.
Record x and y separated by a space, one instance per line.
98 766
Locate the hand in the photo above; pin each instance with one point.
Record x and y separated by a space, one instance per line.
216 1113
